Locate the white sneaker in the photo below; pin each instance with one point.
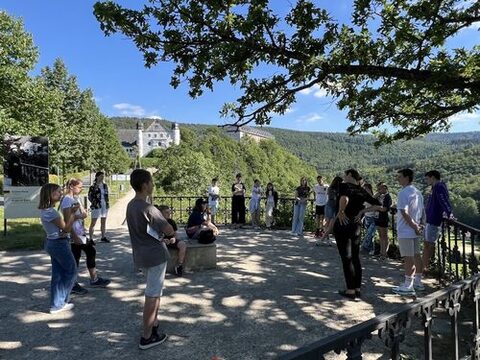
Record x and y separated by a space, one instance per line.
403 290
418 286
66 307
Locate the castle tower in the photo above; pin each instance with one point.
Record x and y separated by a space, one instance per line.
140 138
176 134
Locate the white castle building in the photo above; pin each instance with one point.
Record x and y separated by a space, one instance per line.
143 141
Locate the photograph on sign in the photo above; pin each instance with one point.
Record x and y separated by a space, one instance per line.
25 161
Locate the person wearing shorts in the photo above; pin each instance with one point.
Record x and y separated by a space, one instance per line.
98 197
213 193
438 207
321 199
149 252
409 226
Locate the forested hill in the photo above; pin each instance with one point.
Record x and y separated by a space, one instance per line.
334 152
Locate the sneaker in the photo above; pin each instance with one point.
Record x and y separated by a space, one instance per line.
104 239
154 340
418 286
99 282
179 270
403 290
66 307
78 290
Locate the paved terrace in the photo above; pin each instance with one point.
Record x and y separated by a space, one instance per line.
270 294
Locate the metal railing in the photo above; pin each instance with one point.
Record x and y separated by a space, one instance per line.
391 327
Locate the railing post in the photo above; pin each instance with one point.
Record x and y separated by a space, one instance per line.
427 332
354 348
464 256
473 258
453 306
475 344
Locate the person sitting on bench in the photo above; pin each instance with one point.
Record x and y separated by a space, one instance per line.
199 225
180 245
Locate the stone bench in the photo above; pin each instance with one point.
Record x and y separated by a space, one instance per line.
199 257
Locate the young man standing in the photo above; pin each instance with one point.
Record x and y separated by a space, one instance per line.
438 206
149 253
213 193
321 199
409 228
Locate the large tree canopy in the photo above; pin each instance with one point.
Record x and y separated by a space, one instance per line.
393 64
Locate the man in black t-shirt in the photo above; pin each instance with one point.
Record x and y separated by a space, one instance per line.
180 245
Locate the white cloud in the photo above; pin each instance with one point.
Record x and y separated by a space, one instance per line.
317 91
309 118
126 109
465 117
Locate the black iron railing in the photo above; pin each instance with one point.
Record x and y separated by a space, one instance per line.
392 327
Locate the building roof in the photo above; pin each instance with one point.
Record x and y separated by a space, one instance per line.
127 136
155 126
252 131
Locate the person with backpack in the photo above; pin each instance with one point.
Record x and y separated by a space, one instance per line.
98 197
199 226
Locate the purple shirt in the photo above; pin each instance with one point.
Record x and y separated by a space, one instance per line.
438 203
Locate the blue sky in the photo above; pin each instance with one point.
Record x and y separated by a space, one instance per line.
113 68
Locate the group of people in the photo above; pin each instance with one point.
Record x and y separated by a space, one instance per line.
340 208
414 220
66 237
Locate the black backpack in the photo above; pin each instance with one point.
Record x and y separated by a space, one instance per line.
206 237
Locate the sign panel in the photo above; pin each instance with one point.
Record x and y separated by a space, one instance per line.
25 169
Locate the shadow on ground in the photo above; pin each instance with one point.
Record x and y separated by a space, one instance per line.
270 294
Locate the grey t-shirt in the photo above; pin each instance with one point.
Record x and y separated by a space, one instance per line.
147 251
52 230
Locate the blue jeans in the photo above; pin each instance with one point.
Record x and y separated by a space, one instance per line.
64 271
367 243
298 217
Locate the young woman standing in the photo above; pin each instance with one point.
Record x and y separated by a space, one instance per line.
57 245
302 194
98 197
79 240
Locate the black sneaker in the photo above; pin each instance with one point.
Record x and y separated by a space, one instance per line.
78 290
179 270
154 340
104 239
99 282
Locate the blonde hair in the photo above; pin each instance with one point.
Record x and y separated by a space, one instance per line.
72 182
46 195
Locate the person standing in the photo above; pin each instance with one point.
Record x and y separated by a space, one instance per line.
149 253
79 239
238 201
368 244
331 209
213 193
409 228
321 199
438 207
271 203
254 208
98 197
382 219
347 229
57 245
302 194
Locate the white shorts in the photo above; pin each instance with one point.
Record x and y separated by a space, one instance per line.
155 277
409 247
99 213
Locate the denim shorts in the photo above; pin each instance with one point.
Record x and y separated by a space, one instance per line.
330 212
431 233
155 276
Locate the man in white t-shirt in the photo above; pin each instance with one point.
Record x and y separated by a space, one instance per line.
321 199
410 219
213 193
